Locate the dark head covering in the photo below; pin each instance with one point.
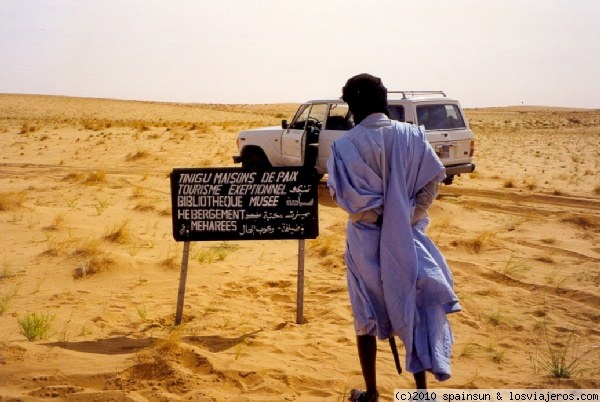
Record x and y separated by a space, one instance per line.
365 94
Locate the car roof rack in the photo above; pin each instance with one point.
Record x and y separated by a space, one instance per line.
407 94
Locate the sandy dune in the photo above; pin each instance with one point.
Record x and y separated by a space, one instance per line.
86 244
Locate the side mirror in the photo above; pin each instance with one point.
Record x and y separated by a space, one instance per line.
284 124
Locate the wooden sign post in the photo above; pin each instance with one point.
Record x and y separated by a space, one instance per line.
182 281
300 287
236 204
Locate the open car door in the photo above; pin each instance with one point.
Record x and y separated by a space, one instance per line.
339 120
304 127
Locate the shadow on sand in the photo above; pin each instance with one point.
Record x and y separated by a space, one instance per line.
110 346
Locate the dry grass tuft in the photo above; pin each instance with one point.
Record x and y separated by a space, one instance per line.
214 253
170 262
156 362
57 224
120 234
145 207
334 261
88 249
178 136
477 244
171 343
325 246
515 268
96 177
438 227
75 177
6 300
141 154
582 221
26 128
57 247
93 266
563 354
138 192
95 124
165 212
508 183
11 200
530 184
496 318
546 259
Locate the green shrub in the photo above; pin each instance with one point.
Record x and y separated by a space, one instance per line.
36 326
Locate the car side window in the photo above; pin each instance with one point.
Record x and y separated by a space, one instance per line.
317 114
339 118
311 114
396 112
440 117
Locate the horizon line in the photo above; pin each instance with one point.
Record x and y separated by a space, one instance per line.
182 103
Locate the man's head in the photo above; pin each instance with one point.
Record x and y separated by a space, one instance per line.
365 94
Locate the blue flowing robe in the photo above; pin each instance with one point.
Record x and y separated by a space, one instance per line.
398 281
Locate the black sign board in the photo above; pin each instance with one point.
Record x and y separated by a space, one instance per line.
237 204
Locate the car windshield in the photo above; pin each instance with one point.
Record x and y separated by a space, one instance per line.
440 117
299 121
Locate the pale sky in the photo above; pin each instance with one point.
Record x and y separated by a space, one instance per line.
483 52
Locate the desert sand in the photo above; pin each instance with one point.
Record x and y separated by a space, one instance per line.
87 247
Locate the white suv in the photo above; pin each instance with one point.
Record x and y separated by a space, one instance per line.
307 139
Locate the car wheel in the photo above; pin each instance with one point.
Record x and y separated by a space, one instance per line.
255 160
448 180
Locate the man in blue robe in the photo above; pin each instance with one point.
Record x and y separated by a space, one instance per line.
385 175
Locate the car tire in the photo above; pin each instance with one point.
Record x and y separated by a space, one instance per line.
448 180
255 159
